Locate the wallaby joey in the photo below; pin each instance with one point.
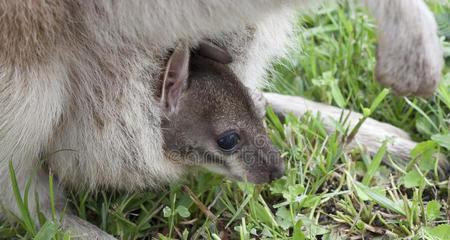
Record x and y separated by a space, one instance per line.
211 121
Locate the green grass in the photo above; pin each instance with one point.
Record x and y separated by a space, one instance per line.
326 193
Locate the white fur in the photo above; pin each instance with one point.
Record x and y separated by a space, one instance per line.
80 76
409 54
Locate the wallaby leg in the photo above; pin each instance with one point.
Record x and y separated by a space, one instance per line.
409 54
370 136
32 102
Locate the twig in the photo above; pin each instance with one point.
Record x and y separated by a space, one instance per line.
199 204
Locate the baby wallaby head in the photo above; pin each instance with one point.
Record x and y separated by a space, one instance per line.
211 120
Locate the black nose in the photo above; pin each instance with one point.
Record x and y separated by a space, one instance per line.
276 172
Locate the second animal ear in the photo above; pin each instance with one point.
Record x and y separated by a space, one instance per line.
209 50
175 78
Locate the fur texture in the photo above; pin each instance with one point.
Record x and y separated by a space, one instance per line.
410 61
205 106
80 75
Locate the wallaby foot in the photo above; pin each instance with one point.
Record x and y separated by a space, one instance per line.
81 229
409 53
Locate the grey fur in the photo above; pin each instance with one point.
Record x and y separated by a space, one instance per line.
205 102
80 75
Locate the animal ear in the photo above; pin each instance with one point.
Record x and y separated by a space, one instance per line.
210 50
175 78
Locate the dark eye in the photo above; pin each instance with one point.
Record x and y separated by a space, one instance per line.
228 141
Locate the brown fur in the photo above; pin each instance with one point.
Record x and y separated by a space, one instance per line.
81 75
214 102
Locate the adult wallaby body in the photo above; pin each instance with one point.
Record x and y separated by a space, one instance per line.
81 75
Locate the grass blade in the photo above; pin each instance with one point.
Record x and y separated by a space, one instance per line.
48 231
375 164
24 211
380 199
